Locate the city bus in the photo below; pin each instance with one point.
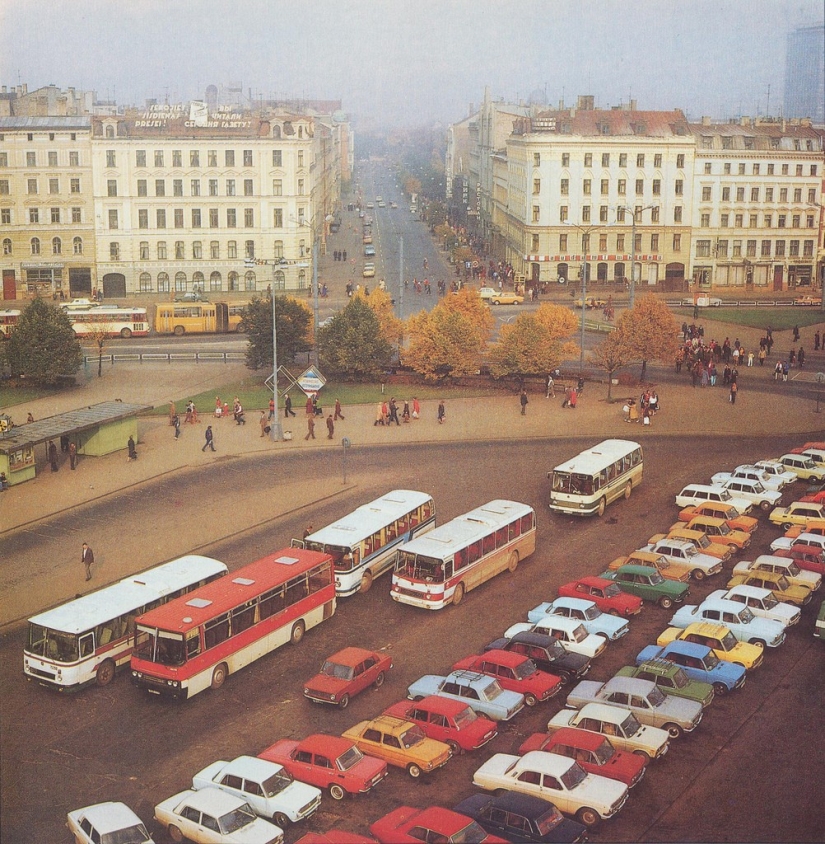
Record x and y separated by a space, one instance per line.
8 321
195 642
588 482
363 543
113 320
85 640
181 318
439 568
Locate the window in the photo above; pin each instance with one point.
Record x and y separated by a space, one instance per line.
160 187
588 159
654 214
158 158
779 249
54 186
706 193
77 245
179 250
766 249
602 243
750 249
55 215
76 215
5 216
212 158
4 159
738 218
657 159
640 159
677 243
754 194
605 159
756 169
794 250
536 159
565 187
740 194
602 214
145 283
229 157
247 187
702 248
4 187
620 244
605 187
249 217
111 187
177 187
277 187
565 159
585 213
657 187
737 248
230 187
622 159
140 158
35 246
752 221
586 187
768 221
177 158
725 194
31 159
536 213
811 196
113 221
721 249
213 187
231 218
813 170
144 250
637 243
680 160
799 170
214 249
679 188
785 170
31 186
704 221
57 246
278 218
620 211
232 249
194 158
723 220
178 218
249 249
213 218
247 158
197 249
622 187
769 195
563 243
277 158
808 248
781 220
74 159
110 158
142 188
160 218
536 186
196 218
114 251
34 215
195 187
161 251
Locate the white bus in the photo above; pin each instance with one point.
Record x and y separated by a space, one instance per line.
85 640
112 320
435 570
588 482
363 543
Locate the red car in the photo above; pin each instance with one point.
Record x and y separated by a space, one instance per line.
329 762
604 593
592 751
514 672
447 720
345 674
406 824
335 836
807 557
815 498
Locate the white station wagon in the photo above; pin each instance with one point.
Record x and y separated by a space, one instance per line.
107 823
570 632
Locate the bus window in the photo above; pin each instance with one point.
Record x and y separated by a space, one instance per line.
193 643
243 617
501 536
217 630
475 551
426 511
488 544
527 523
514 529
392 532
319 578
87 645
403 524
296 590
271 602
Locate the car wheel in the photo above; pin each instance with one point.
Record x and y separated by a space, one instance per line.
458 595
765 506
530 700
105 672
219 676
665 603
628 488
366 582
733 547
280 819
697 574
720 689
589 817
379 680
565 677
786 526
297 633
643 754
455 747
336 792
512 563
602 506
344 702
413 770
760 643
174 833
674 730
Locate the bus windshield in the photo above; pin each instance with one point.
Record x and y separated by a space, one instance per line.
161 646
572 482
420 567
52 644
342 558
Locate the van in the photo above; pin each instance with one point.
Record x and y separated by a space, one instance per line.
699 493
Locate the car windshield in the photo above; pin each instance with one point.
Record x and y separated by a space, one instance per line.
548 821
612 591
710 661
724 495
57 646
464 718
769 602
702 541
792 569
654 578
745 616
808 464
131 835
722 529
491 691
579 634
349 758
412 737
573 776
655 696
728 641
592 613
556 650
339 672
605 752
526 669
782 583
473 833
630 726
276 783
237 819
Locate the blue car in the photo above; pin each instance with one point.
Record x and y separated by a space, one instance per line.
610 627
699 663
480 692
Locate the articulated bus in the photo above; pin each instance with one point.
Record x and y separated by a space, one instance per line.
181 318
85 640
195 642
363 543
435 570
113 320
588 482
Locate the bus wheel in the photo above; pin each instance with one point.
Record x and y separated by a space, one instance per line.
297 632
628 489
458 595
366 582
512 563
105 672
602 506
179 331
125 333
174 833
219 676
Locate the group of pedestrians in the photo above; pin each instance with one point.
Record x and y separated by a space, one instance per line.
386 412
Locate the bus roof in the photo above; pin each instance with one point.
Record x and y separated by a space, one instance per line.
128 594
595 459
244 584
368 518
444 540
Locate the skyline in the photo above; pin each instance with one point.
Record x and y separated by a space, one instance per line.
394 64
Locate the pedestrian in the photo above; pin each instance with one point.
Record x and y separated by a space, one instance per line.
800 356
405 413
379 415
87 557
29 418
132 450
777 370
523 401
262 422
310 427
272 408
441 412
551 387
288 411
785 369
574 398
344 255
416 409
796 334
72 456
750 358
734 389
394 412
817 340
64 444
52 452
176 423
762 355
330 427
308 531
338 413
240 414
210 440
646 416
309 408
218 407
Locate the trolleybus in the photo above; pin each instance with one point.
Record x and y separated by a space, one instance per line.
111 320
181 318
588 482
86 639
435 570
363 543
195 642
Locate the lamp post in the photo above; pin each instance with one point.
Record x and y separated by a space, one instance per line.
586 231
315 252
276 432
633 214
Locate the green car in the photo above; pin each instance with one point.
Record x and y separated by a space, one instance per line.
649 585
671 680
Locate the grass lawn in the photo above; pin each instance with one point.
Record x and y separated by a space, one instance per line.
15 396
779 319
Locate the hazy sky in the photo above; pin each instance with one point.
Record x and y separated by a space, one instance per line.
408 62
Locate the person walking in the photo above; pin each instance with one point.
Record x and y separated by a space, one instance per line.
394 412
272 408
52 452
796 334
309 408
777 370
87 557
734 389
330 427
416 409
523 400
800 356
310 427
210 439
262 422
379 414
441 412
176 423
817 340
551 387
785 369
288 411
405 413
132 450
338 414
72 456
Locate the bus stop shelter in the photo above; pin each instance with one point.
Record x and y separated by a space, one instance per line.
96 430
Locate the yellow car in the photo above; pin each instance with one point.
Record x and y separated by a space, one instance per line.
504 298
810 526
697 537
401 743
369 271
717 530
778 584
719 639
592 302
647 558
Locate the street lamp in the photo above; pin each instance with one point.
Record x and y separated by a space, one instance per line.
586 231
633 213
276 432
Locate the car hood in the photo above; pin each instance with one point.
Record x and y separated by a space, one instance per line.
325 684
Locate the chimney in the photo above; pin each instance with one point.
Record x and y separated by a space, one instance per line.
744 121
633 105
706 120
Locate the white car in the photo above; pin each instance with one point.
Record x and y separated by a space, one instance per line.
589 798
695 494
755 492
570 632
753 473
211 816
107 823
777 470
487 293
761 602
785 543
683 554
780 565
267 786
595 621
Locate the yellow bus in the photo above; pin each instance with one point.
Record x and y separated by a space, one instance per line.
181 318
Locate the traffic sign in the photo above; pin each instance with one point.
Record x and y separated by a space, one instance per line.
311 381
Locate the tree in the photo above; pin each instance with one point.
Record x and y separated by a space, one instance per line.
353 344
379 300
43 347
536 343
650 331
97 336
294 321
610 355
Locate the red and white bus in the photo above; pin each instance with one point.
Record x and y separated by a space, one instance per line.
113 320
8 322
438 568
194 643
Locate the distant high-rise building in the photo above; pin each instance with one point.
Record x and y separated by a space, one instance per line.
805 74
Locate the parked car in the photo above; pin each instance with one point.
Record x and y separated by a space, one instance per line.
654 561
547 653
719 638
592 751
522 818
644 699
596 622
803 467
699 663
346 673
212 816
813 541
744 625
683 554
777 583
775 468
761 602
605 594
797 513
816 526
781 565
504 297
587 797
480 691
816 451
107 823
450 721
696 494
328 762
514 672
670 679
721 510
697 538
400 743
570 632
648 584
266 786
620 725
762 497
807 557
717 531
369 251
748 471
406 824
487 292
817 497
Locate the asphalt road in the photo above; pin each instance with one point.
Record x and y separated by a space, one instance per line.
749 773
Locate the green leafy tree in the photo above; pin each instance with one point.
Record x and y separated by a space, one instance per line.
380 301
649 331
294 320
43 347
353 345
611 355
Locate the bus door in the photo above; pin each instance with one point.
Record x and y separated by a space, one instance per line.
221 317
163 320
296 543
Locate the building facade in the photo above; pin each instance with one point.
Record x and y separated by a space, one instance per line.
805 74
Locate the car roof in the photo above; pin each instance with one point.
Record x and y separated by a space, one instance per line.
629 685
502 657
706 628
658 665
594 580
109 817
252 767
446 821
558 622
325 744
752 591
634 569
442 705
528 637
576 737
468 676
351 656
604 712
388 724
215 801
687 648
548 763
527 805
573 603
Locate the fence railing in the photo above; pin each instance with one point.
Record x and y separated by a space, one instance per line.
169 357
